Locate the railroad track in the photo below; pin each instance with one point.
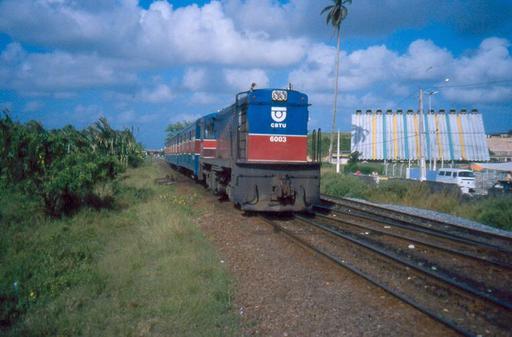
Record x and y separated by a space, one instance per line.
442 277
451 231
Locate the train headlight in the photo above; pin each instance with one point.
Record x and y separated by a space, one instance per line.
279 95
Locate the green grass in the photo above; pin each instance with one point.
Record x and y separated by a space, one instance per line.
342 185
493 211
143 268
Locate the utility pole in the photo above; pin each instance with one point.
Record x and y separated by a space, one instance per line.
423 169
434 148
428 113
338 155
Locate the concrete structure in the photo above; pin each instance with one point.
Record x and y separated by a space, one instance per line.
395 135
501 147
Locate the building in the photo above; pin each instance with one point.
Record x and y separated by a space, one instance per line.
395 135
500 146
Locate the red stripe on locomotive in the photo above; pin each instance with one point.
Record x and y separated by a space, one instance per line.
197 146
277 148
208 148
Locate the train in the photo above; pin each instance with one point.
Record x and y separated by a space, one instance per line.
254 151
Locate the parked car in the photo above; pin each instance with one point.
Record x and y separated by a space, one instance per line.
465 179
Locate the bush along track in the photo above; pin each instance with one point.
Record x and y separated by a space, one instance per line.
141 268
65 168
493 211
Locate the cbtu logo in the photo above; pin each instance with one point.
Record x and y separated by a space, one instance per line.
278 114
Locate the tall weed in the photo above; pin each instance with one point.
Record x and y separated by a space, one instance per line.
493 211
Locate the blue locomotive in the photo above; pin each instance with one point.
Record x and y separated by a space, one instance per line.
254 151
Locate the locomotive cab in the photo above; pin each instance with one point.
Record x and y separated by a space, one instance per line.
263 143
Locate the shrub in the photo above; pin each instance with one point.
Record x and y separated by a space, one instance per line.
70 181
397 188
63 166
344 186
364 168
496 212
16 207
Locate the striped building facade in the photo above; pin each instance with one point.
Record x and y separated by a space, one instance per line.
395 135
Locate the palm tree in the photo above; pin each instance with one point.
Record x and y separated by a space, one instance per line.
336 13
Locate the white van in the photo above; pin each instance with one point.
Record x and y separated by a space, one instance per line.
465 179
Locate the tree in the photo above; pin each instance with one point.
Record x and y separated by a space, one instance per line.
174 128
336 13
64 166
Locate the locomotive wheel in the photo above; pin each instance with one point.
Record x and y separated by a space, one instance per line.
249 214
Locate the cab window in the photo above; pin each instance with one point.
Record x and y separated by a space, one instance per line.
208 131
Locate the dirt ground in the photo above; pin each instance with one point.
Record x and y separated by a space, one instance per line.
282 289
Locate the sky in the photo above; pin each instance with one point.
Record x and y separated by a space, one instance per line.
146 64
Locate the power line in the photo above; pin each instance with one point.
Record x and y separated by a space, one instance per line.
415 135
476 85
443 86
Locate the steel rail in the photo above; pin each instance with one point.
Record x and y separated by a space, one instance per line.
409 225
462 286
432 314
419 241
375 209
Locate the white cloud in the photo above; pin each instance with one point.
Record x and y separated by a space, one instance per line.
271 18
492 61
359 69
183 117
387 73
241 79
36 73
158 36
70 24
489 67
159 94
365 67
204 98
400 90
130 116
373 101
194 79
365 17
126 116
423 61
204 34
316 73
129 55
86 114
480 95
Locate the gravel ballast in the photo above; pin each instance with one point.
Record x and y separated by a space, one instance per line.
439 216
282 289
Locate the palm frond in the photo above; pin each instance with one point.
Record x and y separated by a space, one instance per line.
328 8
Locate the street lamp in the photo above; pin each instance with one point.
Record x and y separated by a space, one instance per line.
430 93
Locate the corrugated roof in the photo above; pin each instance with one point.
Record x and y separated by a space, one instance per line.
395 135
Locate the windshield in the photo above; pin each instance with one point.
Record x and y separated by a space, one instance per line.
467 174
